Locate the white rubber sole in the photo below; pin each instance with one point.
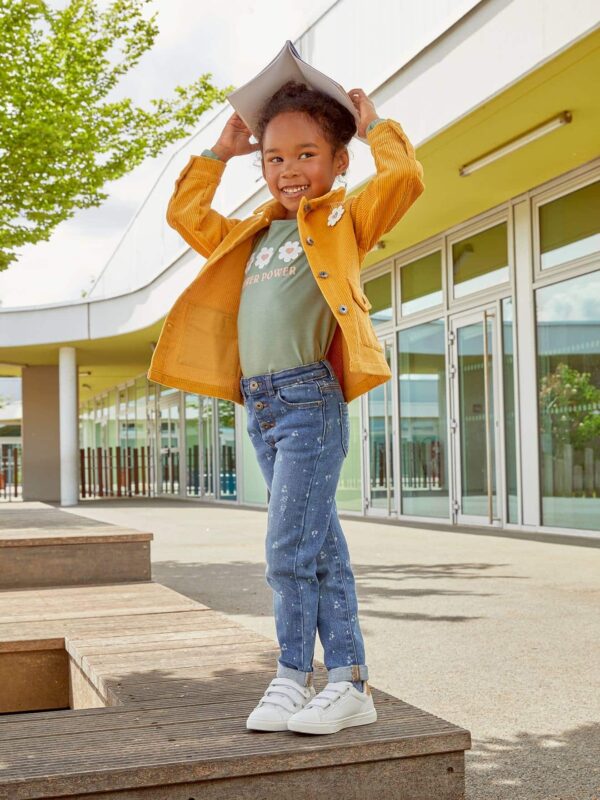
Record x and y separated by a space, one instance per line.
333 727
266 725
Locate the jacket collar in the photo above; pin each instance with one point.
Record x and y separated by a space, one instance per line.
273 209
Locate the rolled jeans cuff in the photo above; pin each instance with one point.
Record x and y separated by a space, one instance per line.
303 678
354 672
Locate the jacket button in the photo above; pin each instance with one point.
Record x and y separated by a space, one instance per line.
323 274
310 240
342 309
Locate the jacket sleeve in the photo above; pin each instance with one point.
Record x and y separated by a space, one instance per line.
394 188
189 210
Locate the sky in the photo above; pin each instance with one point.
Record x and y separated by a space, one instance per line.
233 41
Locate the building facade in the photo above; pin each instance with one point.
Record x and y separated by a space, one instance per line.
486 297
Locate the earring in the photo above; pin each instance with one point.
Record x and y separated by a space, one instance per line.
342 179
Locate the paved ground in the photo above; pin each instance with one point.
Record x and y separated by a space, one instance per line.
499 635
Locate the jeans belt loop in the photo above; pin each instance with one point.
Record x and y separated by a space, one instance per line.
269 385
328 367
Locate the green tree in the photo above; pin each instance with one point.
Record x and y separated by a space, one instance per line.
61 137
570 406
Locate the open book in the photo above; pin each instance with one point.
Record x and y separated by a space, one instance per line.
287 65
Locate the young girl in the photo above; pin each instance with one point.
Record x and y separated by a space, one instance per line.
289 313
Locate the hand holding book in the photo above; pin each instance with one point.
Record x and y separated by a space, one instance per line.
366 111
234 139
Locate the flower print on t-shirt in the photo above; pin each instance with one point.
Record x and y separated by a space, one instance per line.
289 251
263 257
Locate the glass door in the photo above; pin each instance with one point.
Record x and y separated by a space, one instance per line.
474 422
378 437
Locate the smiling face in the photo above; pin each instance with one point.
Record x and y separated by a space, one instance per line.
298 160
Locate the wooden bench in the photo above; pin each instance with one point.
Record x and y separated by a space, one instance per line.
155 689
49 547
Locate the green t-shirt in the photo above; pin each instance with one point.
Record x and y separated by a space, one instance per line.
283 319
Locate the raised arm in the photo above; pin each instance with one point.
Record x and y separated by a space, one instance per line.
189 210
395 186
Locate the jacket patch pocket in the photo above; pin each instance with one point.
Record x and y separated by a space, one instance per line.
301 395
360 297
366 334
207 343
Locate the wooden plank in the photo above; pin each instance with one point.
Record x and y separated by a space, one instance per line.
439 776
41 537
197 751
123 663
38 564
34 679
190 619
174 643
77 723
19 516
86 601
162 680
82 693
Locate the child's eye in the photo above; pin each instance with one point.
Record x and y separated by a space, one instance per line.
301 154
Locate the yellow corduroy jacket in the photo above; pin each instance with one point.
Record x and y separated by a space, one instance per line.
198 346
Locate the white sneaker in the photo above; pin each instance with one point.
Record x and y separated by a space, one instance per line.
339 705
282 698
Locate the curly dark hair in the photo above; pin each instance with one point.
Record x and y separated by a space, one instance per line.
337 122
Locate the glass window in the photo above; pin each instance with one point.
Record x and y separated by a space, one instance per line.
480 261
192 443
379 293
423 420
568 357
570 226
421 283
227 453
207 430
349 493
141 449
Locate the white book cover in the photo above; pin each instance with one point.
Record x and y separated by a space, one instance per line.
287 65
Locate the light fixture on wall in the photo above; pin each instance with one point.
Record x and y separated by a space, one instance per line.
514 144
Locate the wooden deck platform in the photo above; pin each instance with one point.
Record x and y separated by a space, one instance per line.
161 687
132 691
49 547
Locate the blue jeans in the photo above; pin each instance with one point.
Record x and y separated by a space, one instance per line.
297 420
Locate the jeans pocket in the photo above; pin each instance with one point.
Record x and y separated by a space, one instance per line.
301 395
345 426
